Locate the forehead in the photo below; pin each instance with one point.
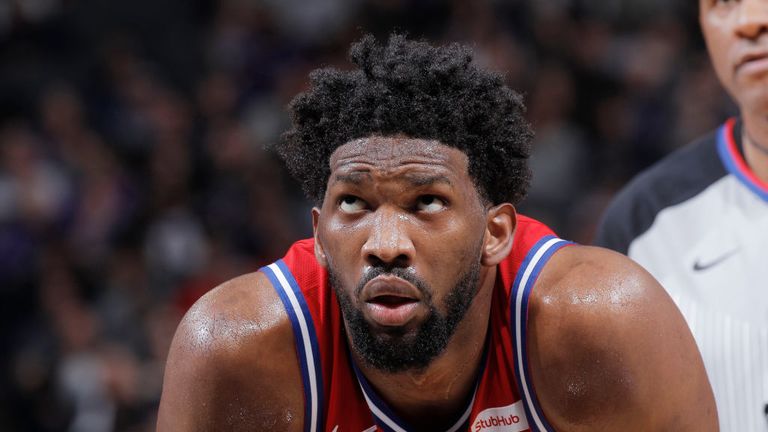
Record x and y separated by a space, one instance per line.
391 153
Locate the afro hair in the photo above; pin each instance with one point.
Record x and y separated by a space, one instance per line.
418 90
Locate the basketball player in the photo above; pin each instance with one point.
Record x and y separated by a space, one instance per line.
424 302
698 220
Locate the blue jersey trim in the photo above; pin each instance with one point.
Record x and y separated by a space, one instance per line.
373 399
310 371
376 400
526 276
730 163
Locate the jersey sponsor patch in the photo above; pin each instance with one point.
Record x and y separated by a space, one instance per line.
510 418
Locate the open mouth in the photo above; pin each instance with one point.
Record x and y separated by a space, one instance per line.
391 300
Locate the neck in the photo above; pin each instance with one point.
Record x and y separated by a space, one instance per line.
755 143
442 389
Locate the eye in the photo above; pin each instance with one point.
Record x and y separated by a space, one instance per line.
429 204
351 204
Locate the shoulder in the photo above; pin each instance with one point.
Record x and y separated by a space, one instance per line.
608 349
678 177
232 364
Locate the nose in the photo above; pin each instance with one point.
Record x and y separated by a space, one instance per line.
752 18
389 243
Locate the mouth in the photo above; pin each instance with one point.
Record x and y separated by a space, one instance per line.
753 62
390 301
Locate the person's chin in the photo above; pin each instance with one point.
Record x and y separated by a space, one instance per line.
754 99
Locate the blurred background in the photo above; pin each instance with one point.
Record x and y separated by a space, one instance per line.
134 175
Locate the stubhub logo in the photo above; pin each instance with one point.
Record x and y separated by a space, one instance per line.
510 418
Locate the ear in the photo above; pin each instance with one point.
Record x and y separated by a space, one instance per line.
319 252
499 233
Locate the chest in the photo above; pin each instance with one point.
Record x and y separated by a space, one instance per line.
353 405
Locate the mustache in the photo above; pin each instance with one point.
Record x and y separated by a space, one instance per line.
406 274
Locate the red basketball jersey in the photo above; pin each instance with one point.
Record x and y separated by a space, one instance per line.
339 399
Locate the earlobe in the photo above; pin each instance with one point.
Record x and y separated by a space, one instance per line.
319 252
499 234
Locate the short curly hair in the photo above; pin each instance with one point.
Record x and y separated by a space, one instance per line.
418 90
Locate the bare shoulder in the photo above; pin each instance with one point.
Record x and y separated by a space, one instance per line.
232 363
609 350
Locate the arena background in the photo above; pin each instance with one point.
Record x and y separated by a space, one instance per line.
133 175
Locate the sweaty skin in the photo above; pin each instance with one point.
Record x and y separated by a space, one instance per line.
608 350
391 178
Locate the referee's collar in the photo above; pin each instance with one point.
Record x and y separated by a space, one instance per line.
730 148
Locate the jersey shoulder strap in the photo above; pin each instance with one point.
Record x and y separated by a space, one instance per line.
292 276
537 245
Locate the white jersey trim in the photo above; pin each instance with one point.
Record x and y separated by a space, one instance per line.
521 289
306 340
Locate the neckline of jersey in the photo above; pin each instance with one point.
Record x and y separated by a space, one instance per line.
731 155
378 406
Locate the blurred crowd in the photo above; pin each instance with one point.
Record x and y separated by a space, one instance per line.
135 173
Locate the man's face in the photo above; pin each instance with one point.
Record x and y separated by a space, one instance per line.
401 232
736 33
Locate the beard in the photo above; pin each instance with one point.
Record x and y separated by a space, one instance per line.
399 349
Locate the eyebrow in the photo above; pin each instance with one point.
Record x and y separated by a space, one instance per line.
356 178
427 180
